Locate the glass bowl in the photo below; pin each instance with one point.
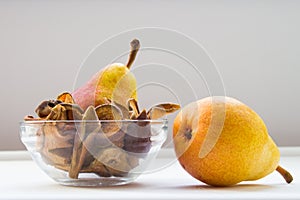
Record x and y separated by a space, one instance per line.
94 153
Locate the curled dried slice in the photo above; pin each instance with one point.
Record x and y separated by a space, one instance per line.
44 109
161 110
79 150
133 106
108 112
124 110
58 112
73 111
66 97
111 113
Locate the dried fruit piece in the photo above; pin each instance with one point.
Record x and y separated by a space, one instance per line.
97 168
161 110
109 112
133 105
64 152
116 161
44 109
50 143
125 111
66 97
142 115
31 118
79 150
64 111
73 111
95 141
137 138
57 113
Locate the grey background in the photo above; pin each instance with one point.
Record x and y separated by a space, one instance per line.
255 45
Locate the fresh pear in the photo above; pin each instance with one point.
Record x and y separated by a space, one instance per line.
114 82
221 142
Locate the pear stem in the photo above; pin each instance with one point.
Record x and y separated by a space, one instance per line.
286 175
134 48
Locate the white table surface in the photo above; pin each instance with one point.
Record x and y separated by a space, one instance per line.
22 179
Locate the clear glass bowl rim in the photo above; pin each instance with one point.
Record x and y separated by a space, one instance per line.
156 121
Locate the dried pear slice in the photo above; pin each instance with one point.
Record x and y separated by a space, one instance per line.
64 152
132 115
161 110
156 113
44 108
50 140
137 138
95 141
116 161
79 150
57 113
31 118
97 168
66 97
73 111
125 111
109 112
133 105
142 115
62 167
99 140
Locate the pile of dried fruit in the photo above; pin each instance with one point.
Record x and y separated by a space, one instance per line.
96 142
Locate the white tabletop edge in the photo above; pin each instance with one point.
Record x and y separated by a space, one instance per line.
164 153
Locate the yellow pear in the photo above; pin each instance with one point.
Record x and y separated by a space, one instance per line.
221 141
114 82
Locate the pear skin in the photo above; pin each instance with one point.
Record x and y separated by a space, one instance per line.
114 82
221 142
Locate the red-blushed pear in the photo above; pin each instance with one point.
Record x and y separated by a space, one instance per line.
221 142
114 82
